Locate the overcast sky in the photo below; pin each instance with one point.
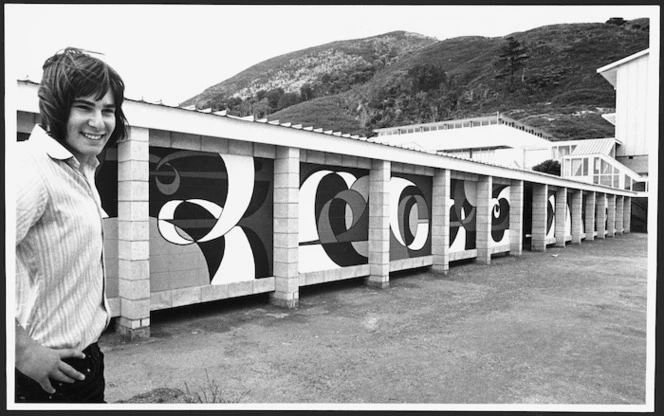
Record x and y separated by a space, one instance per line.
173 52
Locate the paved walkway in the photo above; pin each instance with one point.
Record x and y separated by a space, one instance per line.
567 326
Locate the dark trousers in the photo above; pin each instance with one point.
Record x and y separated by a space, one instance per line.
90 390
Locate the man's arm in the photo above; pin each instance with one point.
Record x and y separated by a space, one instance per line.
42 364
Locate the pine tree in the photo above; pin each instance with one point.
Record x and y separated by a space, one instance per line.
511 59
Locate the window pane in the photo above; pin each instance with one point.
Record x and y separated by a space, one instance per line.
606 168
585 166
576 167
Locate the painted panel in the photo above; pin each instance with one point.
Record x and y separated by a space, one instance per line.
463 221
210 218
551 215
583 213
500 215
410 216
107 184
334 217
568 217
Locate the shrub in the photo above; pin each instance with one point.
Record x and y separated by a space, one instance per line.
550 166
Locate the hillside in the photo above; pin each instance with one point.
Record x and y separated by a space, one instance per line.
545 77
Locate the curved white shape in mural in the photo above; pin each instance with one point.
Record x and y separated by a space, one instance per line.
459 243
397 185
308 230
169 230
568 221
240 189
316 259
419 226
237 265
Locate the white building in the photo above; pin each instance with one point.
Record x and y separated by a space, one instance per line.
629 77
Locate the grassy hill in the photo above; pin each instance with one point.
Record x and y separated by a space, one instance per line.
402 78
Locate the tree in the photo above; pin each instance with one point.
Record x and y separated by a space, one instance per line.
550 166
306 92
273 96
512 56
287 99
426 77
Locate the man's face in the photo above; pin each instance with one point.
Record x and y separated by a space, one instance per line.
91 123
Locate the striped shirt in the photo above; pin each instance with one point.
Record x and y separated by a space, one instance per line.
60 283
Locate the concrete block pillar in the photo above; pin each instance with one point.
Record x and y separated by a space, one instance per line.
620 206
601 214
576 207
516 217
540 203
379 224
286 228
484 216
611 223
561 216
590 216
134 235
627 215
440 221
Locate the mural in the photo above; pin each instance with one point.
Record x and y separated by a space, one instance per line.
583 213
551 215
568 217
463 225
334 217
212 213
106 180
410 216
500 215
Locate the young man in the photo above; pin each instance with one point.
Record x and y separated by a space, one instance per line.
60 287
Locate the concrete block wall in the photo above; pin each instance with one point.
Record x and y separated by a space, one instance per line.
130 259
136 299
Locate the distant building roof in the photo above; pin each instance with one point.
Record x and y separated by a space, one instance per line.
611 118
594 146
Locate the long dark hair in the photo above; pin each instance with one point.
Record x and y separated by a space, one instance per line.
71 74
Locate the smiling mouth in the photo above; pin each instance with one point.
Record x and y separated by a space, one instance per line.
93 136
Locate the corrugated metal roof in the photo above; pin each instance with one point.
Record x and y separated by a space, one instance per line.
611 118
594 146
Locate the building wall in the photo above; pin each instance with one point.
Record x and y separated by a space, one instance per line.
334 217
213 212
638 163
631 101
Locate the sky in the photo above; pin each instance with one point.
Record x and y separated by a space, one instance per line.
173 52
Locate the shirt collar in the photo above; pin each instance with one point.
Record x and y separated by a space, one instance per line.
53 148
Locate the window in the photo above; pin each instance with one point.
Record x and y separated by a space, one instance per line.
585 166
577 166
